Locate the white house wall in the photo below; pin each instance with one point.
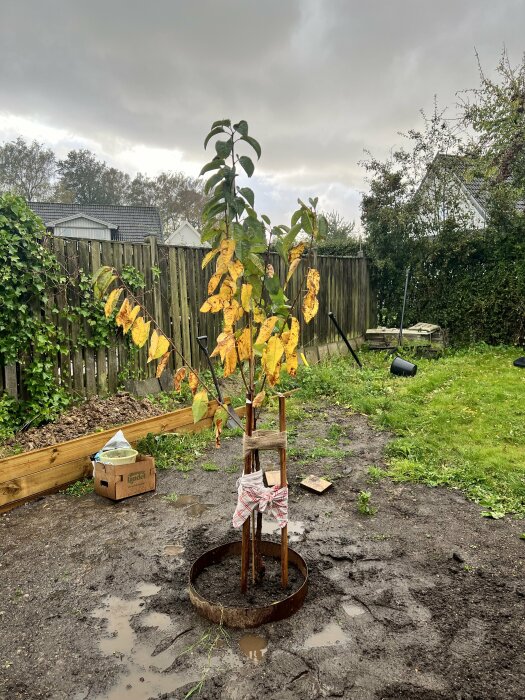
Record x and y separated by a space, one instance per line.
83 228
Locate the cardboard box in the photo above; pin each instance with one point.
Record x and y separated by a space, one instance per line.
125 480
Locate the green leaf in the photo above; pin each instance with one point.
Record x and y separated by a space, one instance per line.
313 201
322 225
266 219
199 407
213 132
254 144
223 148
217 209
212 165
238 205
247 164
241 127
256 261
212 181
221 122
248 195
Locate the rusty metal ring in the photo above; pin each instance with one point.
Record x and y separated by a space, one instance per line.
249 616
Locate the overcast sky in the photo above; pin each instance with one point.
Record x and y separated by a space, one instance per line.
319 81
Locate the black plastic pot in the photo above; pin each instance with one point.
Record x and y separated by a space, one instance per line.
403 368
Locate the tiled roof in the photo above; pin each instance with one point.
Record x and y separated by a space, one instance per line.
475 186
134 222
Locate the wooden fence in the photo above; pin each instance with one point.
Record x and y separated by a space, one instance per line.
175 287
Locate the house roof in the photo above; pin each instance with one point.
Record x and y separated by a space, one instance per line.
134 222
475 187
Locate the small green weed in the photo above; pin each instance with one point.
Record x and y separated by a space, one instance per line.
172 497
522 536
210 467
80 488
375 474
364 506
335 433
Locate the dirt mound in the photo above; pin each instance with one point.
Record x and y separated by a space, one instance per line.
93 415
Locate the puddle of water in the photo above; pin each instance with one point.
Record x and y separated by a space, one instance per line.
173 550
295 529
353 610
143 677
155 619
330 635
253 646
192 505
145 590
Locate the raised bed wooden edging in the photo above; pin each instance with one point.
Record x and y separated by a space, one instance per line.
32 474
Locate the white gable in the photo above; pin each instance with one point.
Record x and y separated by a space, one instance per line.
82 226
186 235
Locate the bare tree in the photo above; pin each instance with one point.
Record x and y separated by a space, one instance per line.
27 169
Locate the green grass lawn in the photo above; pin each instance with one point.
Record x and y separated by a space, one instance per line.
459 422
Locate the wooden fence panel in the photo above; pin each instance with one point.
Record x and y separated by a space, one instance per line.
175 288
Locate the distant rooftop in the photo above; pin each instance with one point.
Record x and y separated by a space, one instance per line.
133 223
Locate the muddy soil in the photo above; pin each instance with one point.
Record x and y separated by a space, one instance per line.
425 599
93 415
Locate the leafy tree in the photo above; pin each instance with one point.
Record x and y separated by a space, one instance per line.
178 197
495 115
81 178
339 229
27 169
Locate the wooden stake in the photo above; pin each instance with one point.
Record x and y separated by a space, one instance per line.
284 530
245 550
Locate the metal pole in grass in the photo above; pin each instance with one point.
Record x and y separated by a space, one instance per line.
403 309
343 336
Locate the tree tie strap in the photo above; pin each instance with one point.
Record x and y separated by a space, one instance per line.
264 440
253 494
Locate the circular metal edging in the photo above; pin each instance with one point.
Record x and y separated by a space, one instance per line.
248 616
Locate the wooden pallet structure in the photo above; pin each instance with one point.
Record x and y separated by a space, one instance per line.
33 474
420 334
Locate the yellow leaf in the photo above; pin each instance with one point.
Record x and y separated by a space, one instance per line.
225 341
291 364
127 315
213 304
178 378
159 345
293 267
111 301
270 272
243 345
214 282
312 281
259 399
231 314
235 269
228 289
193 381
274 377
310 307
140 332
218 431
293 338
230 361
209 257
246 295
296 252
162 364
227 251
200 405
266 329
258 314
272 355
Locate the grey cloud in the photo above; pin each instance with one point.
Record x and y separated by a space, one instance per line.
318 80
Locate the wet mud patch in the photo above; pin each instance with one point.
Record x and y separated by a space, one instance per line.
220 583
423 599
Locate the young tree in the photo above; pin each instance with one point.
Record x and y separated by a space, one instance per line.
260 324
27 169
